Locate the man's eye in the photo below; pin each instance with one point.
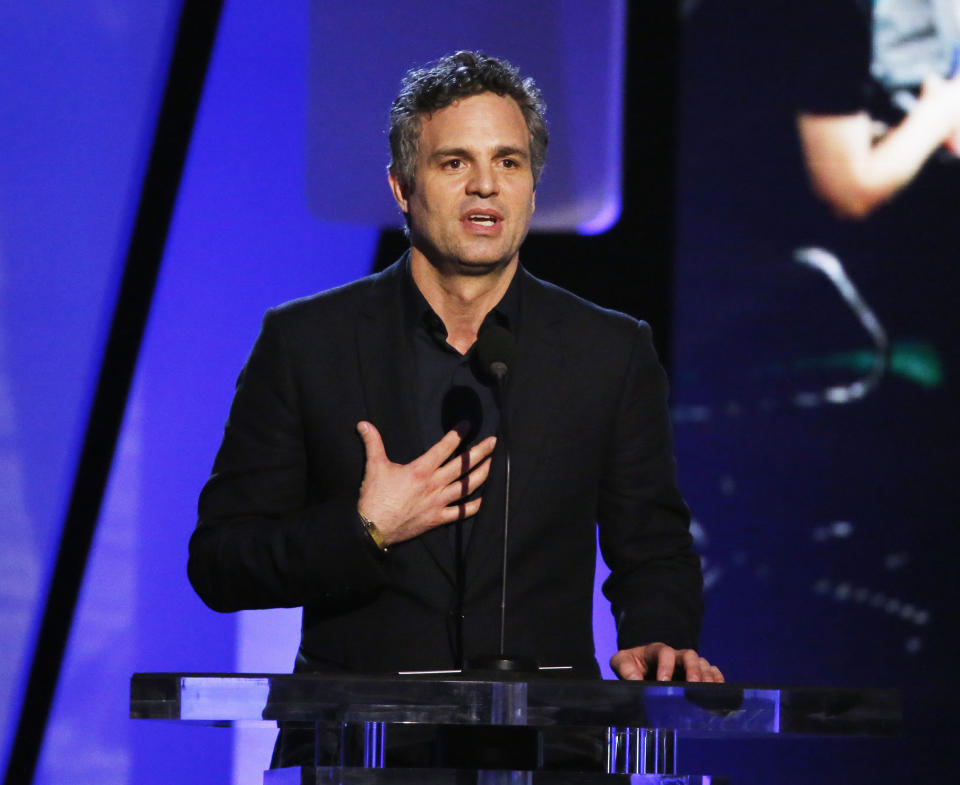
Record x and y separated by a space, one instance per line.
455 163
509 163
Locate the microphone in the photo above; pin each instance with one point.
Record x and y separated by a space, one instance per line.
494 354
495 349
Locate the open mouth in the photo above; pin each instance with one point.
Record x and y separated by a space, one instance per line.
486 219
482 220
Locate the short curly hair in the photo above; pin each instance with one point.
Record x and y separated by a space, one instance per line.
439 84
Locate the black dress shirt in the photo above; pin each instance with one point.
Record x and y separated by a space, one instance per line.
450 387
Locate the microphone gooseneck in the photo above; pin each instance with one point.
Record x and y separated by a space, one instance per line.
495 345
494 351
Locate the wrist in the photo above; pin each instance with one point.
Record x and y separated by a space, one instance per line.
375 535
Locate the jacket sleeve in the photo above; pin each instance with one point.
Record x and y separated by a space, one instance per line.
263 538
655 586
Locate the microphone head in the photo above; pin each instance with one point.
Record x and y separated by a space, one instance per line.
494 350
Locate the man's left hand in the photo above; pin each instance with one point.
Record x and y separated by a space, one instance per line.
664 663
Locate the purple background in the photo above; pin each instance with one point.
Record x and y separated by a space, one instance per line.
248 233
796 511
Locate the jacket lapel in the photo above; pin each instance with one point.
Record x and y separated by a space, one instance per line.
386 369
534 402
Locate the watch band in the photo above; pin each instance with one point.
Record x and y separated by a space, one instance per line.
375 535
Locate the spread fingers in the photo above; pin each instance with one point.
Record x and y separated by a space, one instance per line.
462 487
461 465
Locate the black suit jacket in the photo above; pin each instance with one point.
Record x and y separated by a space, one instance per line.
590 443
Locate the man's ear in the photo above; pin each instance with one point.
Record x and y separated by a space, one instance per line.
533 200
397 189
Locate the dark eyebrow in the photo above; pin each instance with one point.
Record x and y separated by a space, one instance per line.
506 151
512 152
452 152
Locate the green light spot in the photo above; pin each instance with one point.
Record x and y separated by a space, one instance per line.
916 362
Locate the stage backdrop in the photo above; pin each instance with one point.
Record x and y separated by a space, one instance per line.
251 230
813 361
80 86
816 369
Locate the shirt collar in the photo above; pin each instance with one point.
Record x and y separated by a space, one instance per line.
418 313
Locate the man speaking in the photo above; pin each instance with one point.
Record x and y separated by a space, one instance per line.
360 474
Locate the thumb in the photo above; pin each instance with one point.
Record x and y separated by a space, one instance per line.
372 442
626 665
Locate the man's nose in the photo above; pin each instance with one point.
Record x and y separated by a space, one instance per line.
483 181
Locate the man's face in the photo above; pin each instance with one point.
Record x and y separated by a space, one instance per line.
473 197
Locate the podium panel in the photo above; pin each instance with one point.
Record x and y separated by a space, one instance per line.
641 721
351 776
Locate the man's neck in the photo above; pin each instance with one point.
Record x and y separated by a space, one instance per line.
461 301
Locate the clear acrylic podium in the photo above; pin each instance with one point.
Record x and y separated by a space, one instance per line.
643 721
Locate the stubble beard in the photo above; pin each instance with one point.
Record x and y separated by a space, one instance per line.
456 259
